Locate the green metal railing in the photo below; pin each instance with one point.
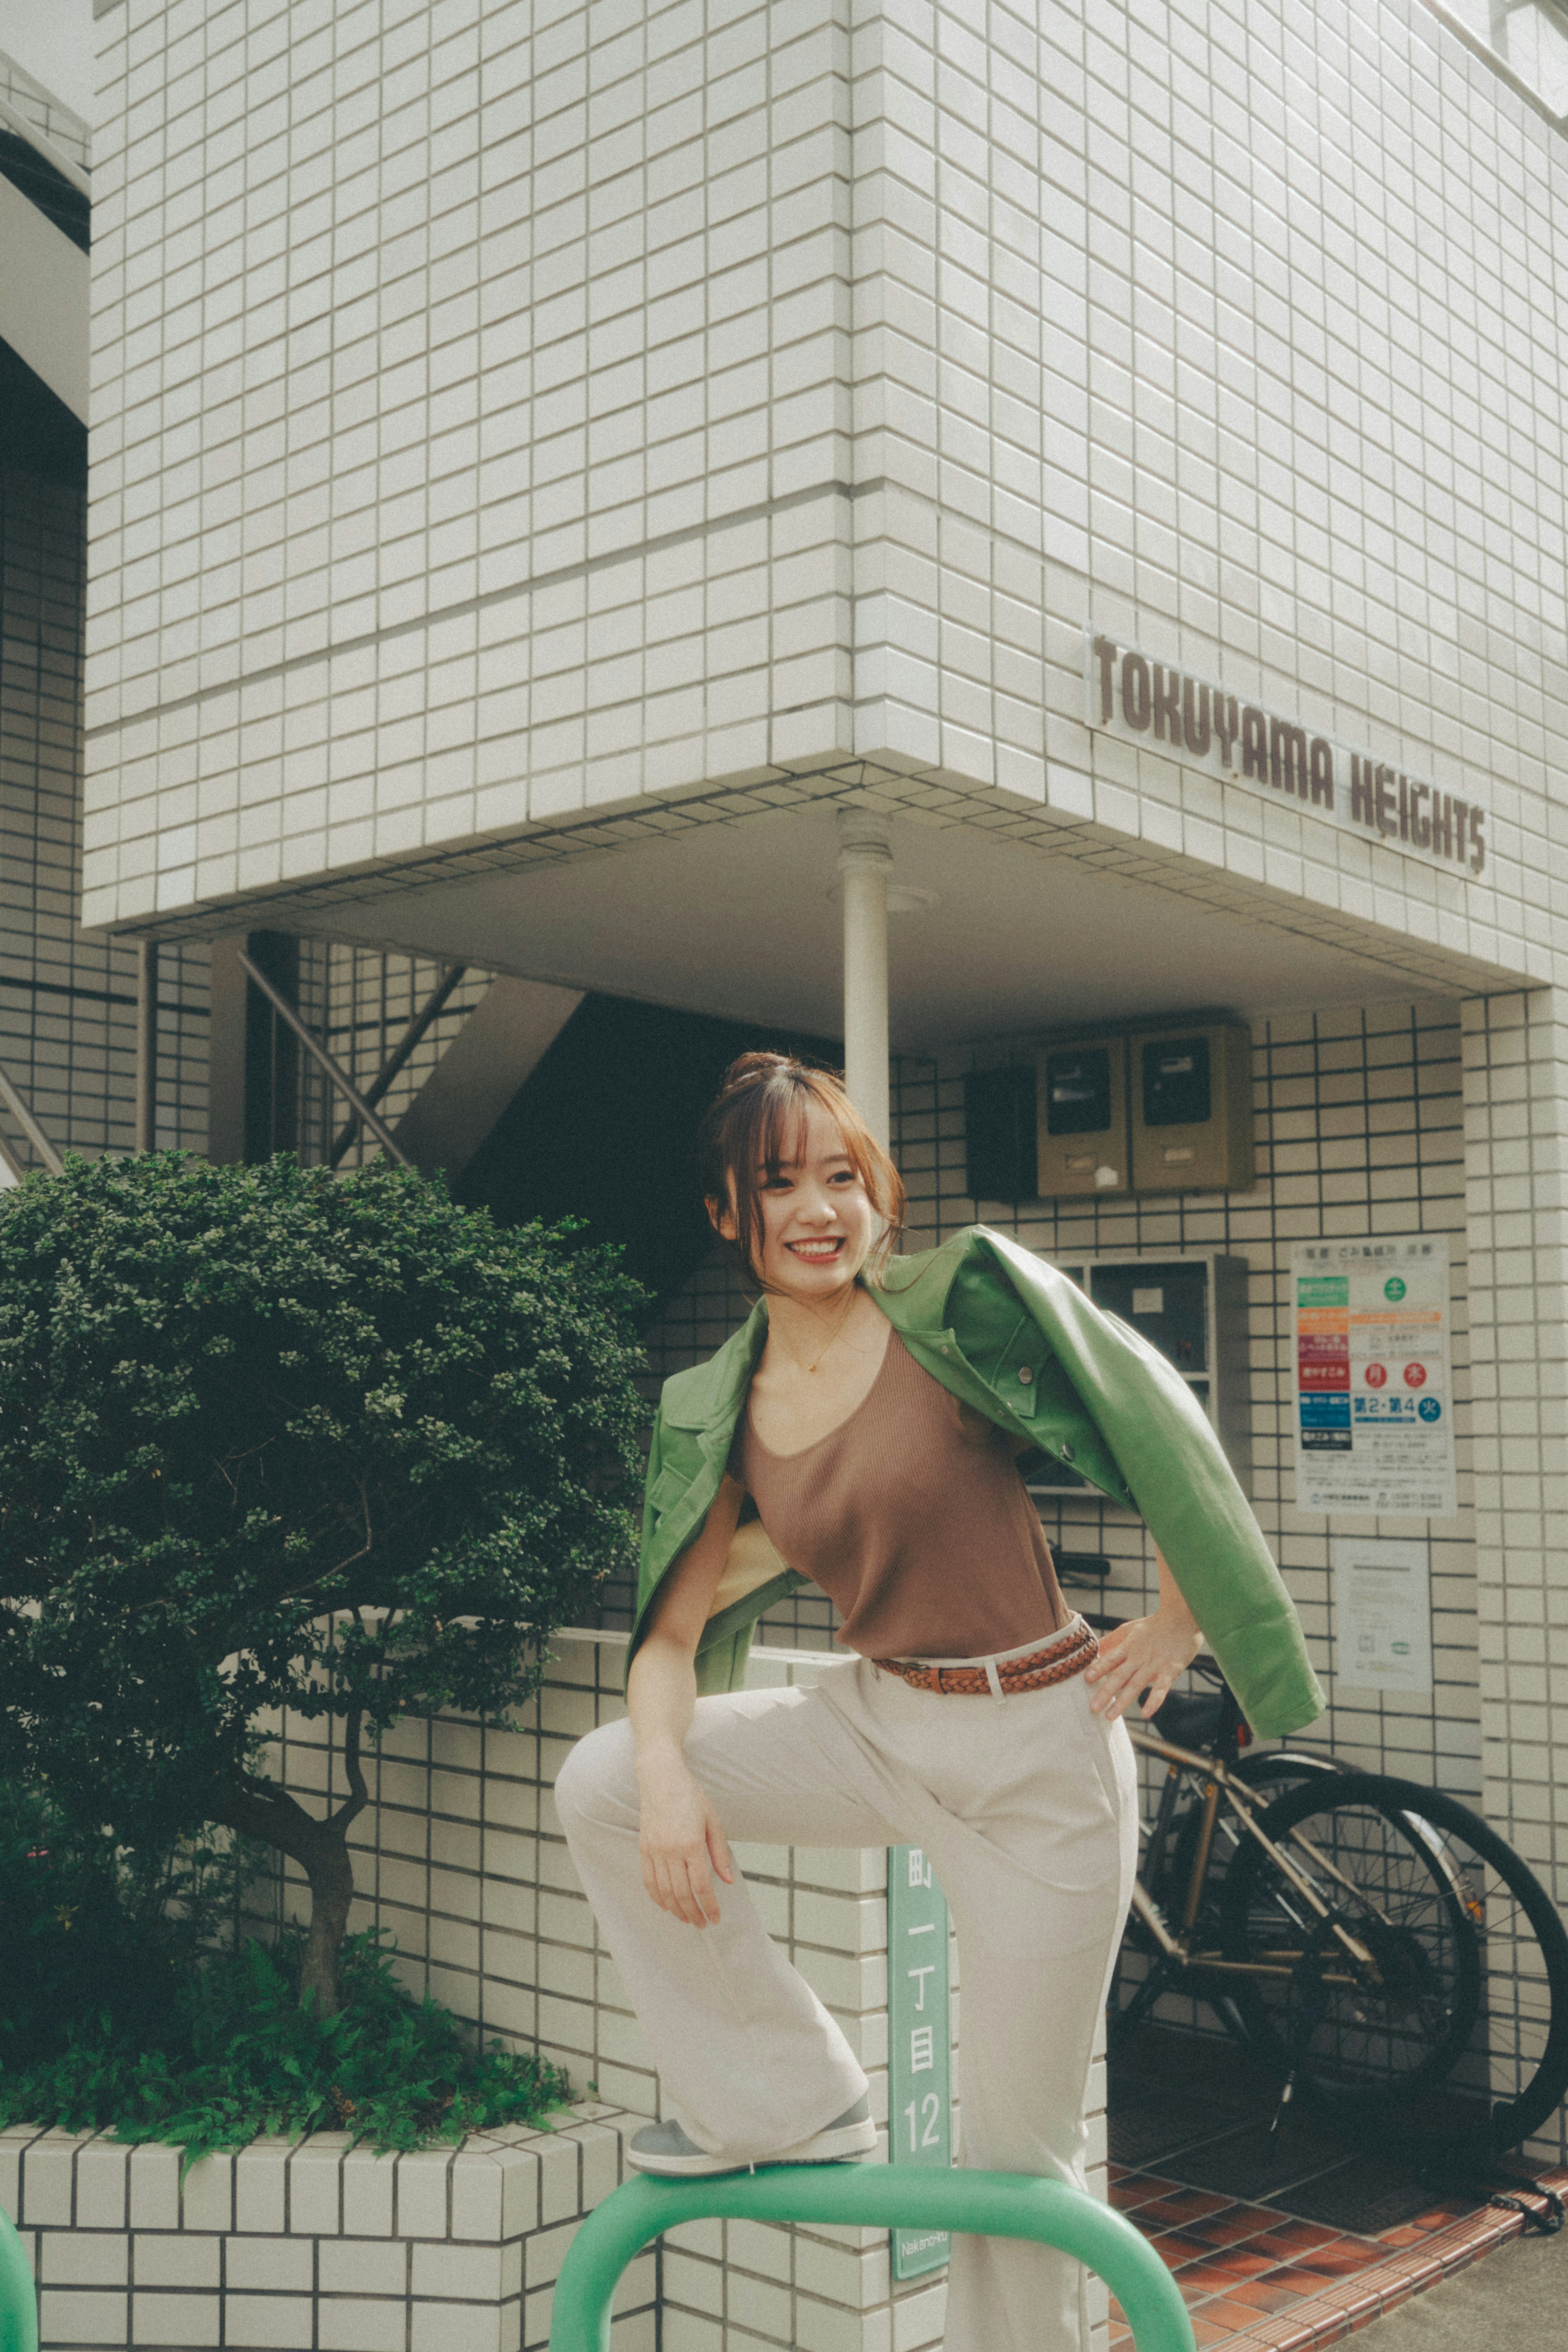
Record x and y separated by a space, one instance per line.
18 2302
870 2196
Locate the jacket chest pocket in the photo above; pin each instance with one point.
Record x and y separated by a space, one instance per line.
1020 1382
667 1490
677 1507
1016 1376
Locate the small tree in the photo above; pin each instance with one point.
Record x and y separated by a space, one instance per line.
268 1438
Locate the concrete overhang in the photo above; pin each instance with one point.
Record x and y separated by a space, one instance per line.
742 920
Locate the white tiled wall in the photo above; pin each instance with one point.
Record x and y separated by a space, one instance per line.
1516 1137
1189 317
500 412
67 1005
529 367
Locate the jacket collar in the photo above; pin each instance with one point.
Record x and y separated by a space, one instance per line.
710 1394
914 1291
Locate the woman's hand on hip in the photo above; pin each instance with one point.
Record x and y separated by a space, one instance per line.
682 1841
1146 1653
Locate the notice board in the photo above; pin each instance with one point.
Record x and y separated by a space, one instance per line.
1382 1613
1374 1399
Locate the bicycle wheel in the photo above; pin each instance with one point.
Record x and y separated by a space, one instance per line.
1456 2038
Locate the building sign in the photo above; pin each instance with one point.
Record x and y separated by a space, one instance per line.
1382 1614
1129 694
919 2057
1374 1408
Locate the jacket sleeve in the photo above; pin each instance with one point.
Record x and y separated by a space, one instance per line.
647 1581
722 1654
1188 1498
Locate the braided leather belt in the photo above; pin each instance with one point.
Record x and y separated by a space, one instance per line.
1058 1661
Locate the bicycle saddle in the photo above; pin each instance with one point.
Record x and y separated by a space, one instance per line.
1191 1718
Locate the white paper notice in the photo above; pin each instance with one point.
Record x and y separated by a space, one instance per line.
1382 1614
1374 1406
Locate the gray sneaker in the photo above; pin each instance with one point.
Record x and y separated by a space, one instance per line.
664 2148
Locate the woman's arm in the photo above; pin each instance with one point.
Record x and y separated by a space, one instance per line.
1146 1653
682 1840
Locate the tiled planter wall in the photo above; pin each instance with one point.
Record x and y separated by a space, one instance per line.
320 2248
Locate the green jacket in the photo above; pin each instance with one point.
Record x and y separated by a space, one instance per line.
1008 1334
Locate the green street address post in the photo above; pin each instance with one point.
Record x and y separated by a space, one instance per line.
920 2041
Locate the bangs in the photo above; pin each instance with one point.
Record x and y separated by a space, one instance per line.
781 1130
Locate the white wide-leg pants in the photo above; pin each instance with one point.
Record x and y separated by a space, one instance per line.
1027 1808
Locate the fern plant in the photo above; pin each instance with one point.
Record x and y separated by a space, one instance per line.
235 2052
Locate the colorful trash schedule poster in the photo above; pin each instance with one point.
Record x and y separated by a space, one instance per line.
1374 1399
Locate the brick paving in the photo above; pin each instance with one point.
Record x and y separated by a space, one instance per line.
1257 2278
1281 2241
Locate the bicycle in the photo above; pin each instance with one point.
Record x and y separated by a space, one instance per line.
1393 1964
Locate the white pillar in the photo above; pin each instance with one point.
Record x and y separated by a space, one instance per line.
865 861
146 1044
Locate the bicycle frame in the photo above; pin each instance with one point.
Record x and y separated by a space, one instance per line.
1175 1947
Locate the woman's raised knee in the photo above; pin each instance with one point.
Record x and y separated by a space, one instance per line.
599 1779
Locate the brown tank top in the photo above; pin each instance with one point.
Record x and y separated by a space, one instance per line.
916 1526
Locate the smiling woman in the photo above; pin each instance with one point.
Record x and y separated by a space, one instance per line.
863 1431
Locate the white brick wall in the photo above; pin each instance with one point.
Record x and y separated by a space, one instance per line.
529 369
67 1004
499 411
1516 1134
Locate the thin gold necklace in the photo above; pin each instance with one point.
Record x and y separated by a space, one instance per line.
821 1351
